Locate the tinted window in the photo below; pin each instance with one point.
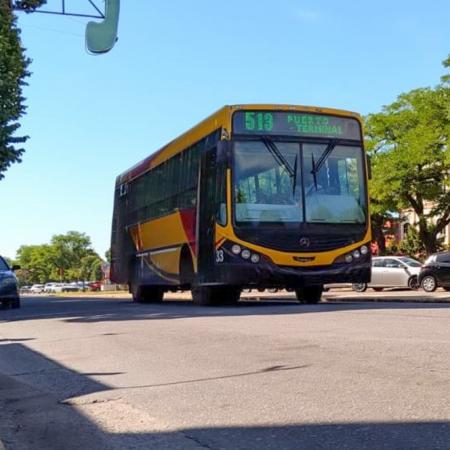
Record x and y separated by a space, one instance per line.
411 262
3 265
378 263
393 264
443 257
170 186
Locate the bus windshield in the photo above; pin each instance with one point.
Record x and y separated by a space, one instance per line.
266 191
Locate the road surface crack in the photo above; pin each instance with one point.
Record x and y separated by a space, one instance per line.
196 440
81 402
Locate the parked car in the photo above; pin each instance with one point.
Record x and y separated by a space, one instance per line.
25 289
392 271
435 272
49 286
95 285
9 288
37 289
70 287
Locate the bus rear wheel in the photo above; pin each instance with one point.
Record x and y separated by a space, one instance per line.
215 296
309 294
147 294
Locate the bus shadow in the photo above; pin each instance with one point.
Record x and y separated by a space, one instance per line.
46 405
118 309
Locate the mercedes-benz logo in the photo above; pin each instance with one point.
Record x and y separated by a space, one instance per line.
304 242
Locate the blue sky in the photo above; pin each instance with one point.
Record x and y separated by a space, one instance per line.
91 117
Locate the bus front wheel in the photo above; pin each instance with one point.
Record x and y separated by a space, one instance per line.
309 294
147 294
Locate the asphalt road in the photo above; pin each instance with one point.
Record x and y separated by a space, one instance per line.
107 374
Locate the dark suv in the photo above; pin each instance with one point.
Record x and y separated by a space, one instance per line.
435 272
9 291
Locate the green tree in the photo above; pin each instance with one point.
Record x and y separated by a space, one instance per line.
68 257
411 244
383 203
13 72
36 262
91 268
68 250
409 142
446 78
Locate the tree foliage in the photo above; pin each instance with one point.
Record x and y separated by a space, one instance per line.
411 244
409 142
13 72
68 257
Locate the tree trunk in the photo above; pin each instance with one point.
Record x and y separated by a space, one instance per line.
377 229
427 237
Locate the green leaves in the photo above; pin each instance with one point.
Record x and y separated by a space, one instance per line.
13 72
13 66
446 63
68 257
409 144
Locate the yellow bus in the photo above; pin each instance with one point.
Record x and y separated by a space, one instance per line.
254 196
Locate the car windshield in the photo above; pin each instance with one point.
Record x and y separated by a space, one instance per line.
3 265
411 262
265 190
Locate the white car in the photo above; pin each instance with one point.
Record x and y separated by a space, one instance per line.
391 272
48 287
37 289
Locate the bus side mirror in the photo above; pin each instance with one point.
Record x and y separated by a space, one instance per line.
369 167
223 150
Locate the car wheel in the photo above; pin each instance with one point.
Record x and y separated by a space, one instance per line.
412 283
377 289
359 287
429 283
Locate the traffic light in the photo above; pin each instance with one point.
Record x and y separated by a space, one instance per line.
101 36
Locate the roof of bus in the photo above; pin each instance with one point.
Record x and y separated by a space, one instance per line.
220 118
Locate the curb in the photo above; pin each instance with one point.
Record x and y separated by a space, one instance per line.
386 300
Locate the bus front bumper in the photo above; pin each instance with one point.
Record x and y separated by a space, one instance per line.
266 274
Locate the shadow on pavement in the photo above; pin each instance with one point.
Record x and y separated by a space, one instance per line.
91 310
38 410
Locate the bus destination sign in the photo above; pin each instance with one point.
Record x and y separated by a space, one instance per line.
295 124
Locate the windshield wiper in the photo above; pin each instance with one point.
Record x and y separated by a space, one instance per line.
294 179
323 157
314 170
278 156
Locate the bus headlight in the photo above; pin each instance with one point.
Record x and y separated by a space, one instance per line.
255 258
364 250
348 258
236 249
356 254
246 253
